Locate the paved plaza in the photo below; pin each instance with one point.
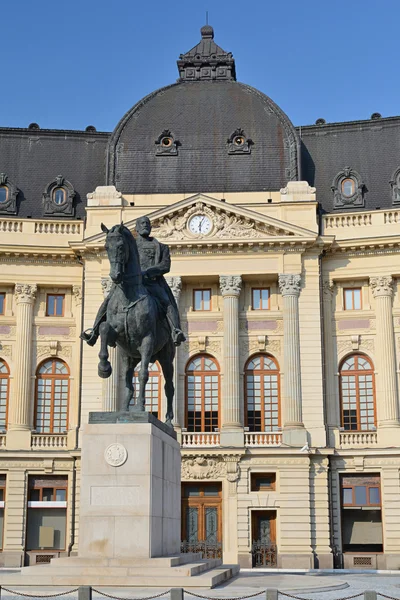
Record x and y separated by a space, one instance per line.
308 585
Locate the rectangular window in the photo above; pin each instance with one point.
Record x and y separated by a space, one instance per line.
201 299
352 299
260 298
55 305
2 303
263 482
47 513
361 491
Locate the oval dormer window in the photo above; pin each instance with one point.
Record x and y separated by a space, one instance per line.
3 194
348 187
59 196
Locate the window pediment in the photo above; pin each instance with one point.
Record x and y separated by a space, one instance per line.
348 189
8 195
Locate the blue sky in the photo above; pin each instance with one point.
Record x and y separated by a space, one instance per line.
73 63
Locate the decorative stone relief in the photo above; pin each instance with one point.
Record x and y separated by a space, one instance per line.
224 225
200 467
328 288
289 285
230 285
5 350
175 283
356 342
250 346
203 344
106 284
381 286
115 454
25 292
7 331
77 294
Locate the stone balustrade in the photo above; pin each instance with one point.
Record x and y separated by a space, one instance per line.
49 442
357 439
272 438
202 439
349 225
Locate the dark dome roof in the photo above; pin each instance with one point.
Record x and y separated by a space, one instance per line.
206 133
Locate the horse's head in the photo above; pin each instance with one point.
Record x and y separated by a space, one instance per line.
118 250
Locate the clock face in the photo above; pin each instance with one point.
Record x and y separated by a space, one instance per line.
200 224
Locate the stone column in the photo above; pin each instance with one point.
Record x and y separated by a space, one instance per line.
294 433
386 384
230 286
175 283
20 407
330 363
110 385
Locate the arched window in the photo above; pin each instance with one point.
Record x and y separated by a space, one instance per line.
153 389
4 390
357 391
262 394
52 397
202 394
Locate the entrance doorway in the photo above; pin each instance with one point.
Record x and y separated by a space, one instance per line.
263 531
202 519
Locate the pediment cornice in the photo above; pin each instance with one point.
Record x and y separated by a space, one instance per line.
230 225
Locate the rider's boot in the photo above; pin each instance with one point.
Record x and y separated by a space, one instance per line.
90 336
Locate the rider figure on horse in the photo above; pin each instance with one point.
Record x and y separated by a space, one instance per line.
155 261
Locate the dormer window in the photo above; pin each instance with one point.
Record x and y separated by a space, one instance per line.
348 189
395 184
58 197
239 143
8 195
166 144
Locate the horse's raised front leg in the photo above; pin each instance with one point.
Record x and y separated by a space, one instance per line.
108 336
146 351
166 360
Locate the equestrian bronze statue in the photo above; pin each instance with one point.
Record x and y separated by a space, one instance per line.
140 314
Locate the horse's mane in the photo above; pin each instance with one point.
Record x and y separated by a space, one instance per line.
134 260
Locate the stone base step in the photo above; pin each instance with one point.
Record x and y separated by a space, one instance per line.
41 576
164 561
130 570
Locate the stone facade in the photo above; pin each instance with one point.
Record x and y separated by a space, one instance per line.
306 328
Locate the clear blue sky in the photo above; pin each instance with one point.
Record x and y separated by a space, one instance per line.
67 64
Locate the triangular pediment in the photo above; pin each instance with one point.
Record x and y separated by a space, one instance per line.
225 223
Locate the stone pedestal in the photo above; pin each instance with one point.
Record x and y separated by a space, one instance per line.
130 491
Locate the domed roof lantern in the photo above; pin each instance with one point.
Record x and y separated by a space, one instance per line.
206 61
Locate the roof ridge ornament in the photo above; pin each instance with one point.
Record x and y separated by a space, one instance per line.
206 61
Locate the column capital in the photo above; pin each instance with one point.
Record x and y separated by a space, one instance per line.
230 285
77 293
289 285
381 286
25 293
106 284
175 283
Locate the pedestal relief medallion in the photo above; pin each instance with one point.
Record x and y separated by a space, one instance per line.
115 454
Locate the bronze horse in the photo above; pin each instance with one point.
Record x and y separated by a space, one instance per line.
135 322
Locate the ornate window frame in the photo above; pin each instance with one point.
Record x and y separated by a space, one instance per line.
10 205
340 200
239 143
166 144
269 371
50 206
362 400
197 398
58 420
395 185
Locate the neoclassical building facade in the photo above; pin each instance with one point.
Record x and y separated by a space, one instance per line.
285 267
